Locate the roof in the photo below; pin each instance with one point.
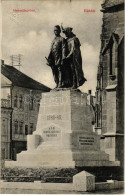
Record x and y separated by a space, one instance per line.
21 80
111 3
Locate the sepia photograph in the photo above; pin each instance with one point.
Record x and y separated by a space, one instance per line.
62 97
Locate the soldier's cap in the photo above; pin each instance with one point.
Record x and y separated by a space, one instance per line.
67 30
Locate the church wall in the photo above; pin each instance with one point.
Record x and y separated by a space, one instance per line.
110 84
111 19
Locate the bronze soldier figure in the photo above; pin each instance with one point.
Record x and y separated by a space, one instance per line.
57 53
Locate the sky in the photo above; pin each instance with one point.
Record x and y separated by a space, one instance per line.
31 34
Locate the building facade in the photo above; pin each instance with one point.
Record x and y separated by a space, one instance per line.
110 81
23 94
6 112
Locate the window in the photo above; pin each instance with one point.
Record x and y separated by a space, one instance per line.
16 126
15 101
21 101
4 127
3 153
26 129
31 128
113 59
111 68
31 104
21 128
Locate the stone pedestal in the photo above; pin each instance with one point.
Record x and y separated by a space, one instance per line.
64 136
84 181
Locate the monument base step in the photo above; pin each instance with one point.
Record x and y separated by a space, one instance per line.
61 158
67 155
63 164
97 163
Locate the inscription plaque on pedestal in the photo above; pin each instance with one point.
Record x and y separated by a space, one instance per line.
51 133
86 140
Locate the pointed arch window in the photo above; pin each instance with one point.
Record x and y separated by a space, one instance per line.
113 59
110 68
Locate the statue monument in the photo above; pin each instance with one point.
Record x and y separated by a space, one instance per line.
64 135
65 59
